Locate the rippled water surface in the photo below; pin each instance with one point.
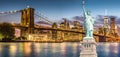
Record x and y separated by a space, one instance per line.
66 49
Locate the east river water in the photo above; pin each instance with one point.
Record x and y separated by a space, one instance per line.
65 49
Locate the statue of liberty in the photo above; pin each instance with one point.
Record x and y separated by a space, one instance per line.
88 22
88 44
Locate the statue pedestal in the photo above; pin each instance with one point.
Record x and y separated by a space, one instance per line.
88 47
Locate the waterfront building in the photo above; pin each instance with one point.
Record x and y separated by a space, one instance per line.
54 33
77 27
65 26
37 37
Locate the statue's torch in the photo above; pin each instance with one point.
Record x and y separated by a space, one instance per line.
83 2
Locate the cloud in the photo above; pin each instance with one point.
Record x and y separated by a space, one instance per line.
117 21
42 22
62 20
99 19
79 18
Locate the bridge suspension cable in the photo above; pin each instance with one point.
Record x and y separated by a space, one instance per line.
42 17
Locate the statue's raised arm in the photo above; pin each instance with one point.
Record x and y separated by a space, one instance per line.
85 13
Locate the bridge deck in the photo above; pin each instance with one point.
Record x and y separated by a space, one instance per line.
75 31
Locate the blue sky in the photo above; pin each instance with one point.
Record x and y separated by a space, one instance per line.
57 9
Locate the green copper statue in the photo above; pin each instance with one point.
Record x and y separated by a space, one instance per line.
88 23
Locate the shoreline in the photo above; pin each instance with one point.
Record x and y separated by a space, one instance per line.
41 41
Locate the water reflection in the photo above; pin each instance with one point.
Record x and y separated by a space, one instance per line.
63 49
12 49
0 50
5 52
108 49
113 51
20 50
29 49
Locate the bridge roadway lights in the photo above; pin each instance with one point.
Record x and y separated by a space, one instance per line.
88 48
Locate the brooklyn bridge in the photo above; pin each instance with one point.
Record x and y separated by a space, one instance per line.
54 31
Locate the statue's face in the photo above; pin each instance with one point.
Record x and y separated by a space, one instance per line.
88 12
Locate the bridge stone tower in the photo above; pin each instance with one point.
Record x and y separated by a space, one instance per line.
27 19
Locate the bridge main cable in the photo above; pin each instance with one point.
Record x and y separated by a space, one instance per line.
41 17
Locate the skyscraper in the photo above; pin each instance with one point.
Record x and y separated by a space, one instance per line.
112 25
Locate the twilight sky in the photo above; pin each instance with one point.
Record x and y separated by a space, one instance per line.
55 10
